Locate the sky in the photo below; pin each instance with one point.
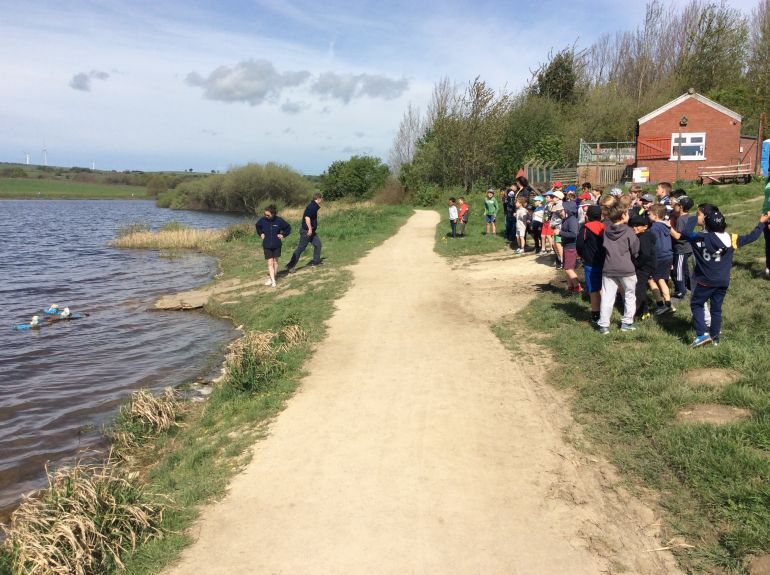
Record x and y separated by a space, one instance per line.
137 85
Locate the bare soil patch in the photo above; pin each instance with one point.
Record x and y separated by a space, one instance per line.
759 565
712 413
714 377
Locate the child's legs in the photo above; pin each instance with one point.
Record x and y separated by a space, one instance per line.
536 236
717 299
462 227
453 223
700 295
272 267
642 306
664 291
653 285
609 289
559 249
629 295
767 247
681 273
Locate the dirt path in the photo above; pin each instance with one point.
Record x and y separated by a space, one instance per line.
417 445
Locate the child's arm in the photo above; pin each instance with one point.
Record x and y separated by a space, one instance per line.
753 235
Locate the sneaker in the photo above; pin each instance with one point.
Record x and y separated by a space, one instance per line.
700 340
290 270
273 284
645 316
627 327
320 263
269 282
603 330
679 296
663 309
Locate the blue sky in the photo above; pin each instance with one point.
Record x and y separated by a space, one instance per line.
204 85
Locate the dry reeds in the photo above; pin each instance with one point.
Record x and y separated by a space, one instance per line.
144 416
174 239
251 364
87 519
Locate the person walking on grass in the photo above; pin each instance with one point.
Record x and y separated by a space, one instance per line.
272 230
713 253
490 211
308 234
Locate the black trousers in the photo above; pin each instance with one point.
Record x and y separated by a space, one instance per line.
304 240
642 304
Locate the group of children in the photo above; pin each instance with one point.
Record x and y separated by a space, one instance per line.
628 243
632 244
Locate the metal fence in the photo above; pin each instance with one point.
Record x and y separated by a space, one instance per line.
606 152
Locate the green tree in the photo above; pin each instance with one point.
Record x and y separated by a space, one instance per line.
357 178
156 185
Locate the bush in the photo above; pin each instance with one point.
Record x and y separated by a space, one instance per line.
426 196
241 190
357 179
13 173
144 417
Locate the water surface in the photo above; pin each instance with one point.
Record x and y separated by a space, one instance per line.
61 384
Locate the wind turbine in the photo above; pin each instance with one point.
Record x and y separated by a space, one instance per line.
26 155
45 155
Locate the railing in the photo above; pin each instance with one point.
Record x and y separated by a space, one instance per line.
542 173
606 152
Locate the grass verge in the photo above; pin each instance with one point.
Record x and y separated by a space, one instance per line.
20 188
713 480
191 462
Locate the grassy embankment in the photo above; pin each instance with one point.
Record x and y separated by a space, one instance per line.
192 463
713 480
21 188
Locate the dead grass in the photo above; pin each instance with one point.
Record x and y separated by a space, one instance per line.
88 519
143 417
181 239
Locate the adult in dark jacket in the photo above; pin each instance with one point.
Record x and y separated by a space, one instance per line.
308 234
272 230
646 262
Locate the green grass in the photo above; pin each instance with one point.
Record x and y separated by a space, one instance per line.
19 188
714 481
193 464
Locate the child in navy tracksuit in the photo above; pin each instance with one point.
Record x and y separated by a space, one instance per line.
661 229
713 253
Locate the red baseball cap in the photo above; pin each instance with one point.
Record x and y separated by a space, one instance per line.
584 196
557 184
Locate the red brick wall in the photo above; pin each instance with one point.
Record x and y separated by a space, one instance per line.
722 139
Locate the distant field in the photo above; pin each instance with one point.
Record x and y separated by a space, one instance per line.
57 189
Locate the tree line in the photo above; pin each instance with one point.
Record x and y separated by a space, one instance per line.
473 136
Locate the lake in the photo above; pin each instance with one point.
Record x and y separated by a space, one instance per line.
61 384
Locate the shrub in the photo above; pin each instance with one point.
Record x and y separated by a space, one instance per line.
392 193
357 178
426 196
251 364
15 172
87 519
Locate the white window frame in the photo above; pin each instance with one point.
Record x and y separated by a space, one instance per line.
687 136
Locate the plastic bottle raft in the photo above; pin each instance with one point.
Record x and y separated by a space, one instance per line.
51 314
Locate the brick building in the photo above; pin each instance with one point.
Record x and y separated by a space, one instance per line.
689 134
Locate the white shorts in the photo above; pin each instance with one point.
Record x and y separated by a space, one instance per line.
521 229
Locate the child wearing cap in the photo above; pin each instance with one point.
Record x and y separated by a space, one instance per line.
556 220
645 262
713 253
621 247
490 211
590 247
536 223
661 229
568 234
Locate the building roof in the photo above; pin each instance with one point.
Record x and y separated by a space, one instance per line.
701 98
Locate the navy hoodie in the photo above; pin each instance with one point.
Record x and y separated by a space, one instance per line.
662 235
569 227
713 254
271 227
590 244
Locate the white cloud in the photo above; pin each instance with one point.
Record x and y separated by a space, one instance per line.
291 107
250 81
346 87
